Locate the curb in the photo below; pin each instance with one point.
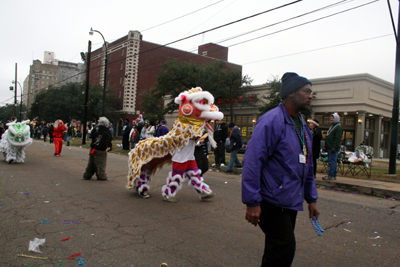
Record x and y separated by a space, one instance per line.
365 190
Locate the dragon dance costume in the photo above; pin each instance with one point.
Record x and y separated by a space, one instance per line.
196 107
14 140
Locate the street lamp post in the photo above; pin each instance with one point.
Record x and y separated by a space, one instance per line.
105 69
15 104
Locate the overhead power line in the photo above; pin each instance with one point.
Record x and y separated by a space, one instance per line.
109 63
180 16
302 24
317 49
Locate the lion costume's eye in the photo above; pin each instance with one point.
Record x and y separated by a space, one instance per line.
203 102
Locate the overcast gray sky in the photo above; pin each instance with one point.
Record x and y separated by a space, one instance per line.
357 41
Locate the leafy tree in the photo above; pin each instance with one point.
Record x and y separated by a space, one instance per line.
7 111
176 77
273 97
67 102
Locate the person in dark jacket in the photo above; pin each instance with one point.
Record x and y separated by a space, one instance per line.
45 131
235 139
220 135
125 135
333 142
316 144
201 153
277 175
162 130
51 130
101 144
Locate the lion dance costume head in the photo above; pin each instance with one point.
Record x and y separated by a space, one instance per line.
14 141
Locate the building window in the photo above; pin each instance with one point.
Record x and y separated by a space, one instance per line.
327 120
122 66
119 95
109 70
369 132
97 73
319 118
349 121
120 80
204 53
122 53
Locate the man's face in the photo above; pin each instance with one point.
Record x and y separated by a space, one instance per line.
303 97
220 121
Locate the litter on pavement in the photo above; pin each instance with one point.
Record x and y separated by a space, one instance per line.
34 245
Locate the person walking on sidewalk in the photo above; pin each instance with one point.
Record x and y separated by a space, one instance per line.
58 135
316 143
220 135
101 144
278 173
70 132
51 131
235 139
333 141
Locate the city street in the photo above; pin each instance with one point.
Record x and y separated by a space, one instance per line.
46 197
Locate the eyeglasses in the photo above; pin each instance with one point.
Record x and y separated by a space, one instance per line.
308 92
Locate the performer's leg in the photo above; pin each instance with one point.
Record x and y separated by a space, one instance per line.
100 162
56 144
197 181
142 184
11 154
90 167
20 155
174 184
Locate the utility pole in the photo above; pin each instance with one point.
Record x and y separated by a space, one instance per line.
395 112
86 92
15 92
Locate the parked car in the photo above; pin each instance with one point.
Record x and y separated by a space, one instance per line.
242 150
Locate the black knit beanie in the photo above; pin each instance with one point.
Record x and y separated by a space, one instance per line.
291 82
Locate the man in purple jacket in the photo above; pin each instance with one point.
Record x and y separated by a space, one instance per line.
278 171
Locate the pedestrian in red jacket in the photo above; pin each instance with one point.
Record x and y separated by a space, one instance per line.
58 134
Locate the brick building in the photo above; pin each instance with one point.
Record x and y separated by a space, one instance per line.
133 66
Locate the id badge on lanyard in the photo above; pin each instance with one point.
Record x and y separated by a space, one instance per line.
302 158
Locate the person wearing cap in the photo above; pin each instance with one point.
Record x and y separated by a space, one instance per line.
235 140
316 143
220 136
162 130
333 142
58 135
278 171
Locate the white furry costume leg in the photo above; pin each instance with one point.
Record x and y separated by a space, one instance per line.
176 178
142 184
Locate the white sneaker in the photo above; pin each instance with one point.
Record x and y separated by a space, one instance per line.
222 165
208 196
213 164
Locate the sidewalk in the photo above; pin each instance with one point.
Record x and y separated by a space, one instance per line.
359 186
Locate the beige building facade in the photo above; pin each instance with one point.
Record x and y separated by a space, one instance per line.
363 102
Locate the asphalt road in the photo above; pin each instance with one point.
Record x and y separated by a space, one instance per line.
112 226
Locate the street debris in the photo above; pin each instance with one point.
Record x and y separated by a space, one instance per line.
67 238
33 257
34 245
73 256
70 221
46 221
347 230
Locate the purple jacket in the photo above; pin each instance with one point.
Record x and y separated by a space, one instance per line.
271 168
